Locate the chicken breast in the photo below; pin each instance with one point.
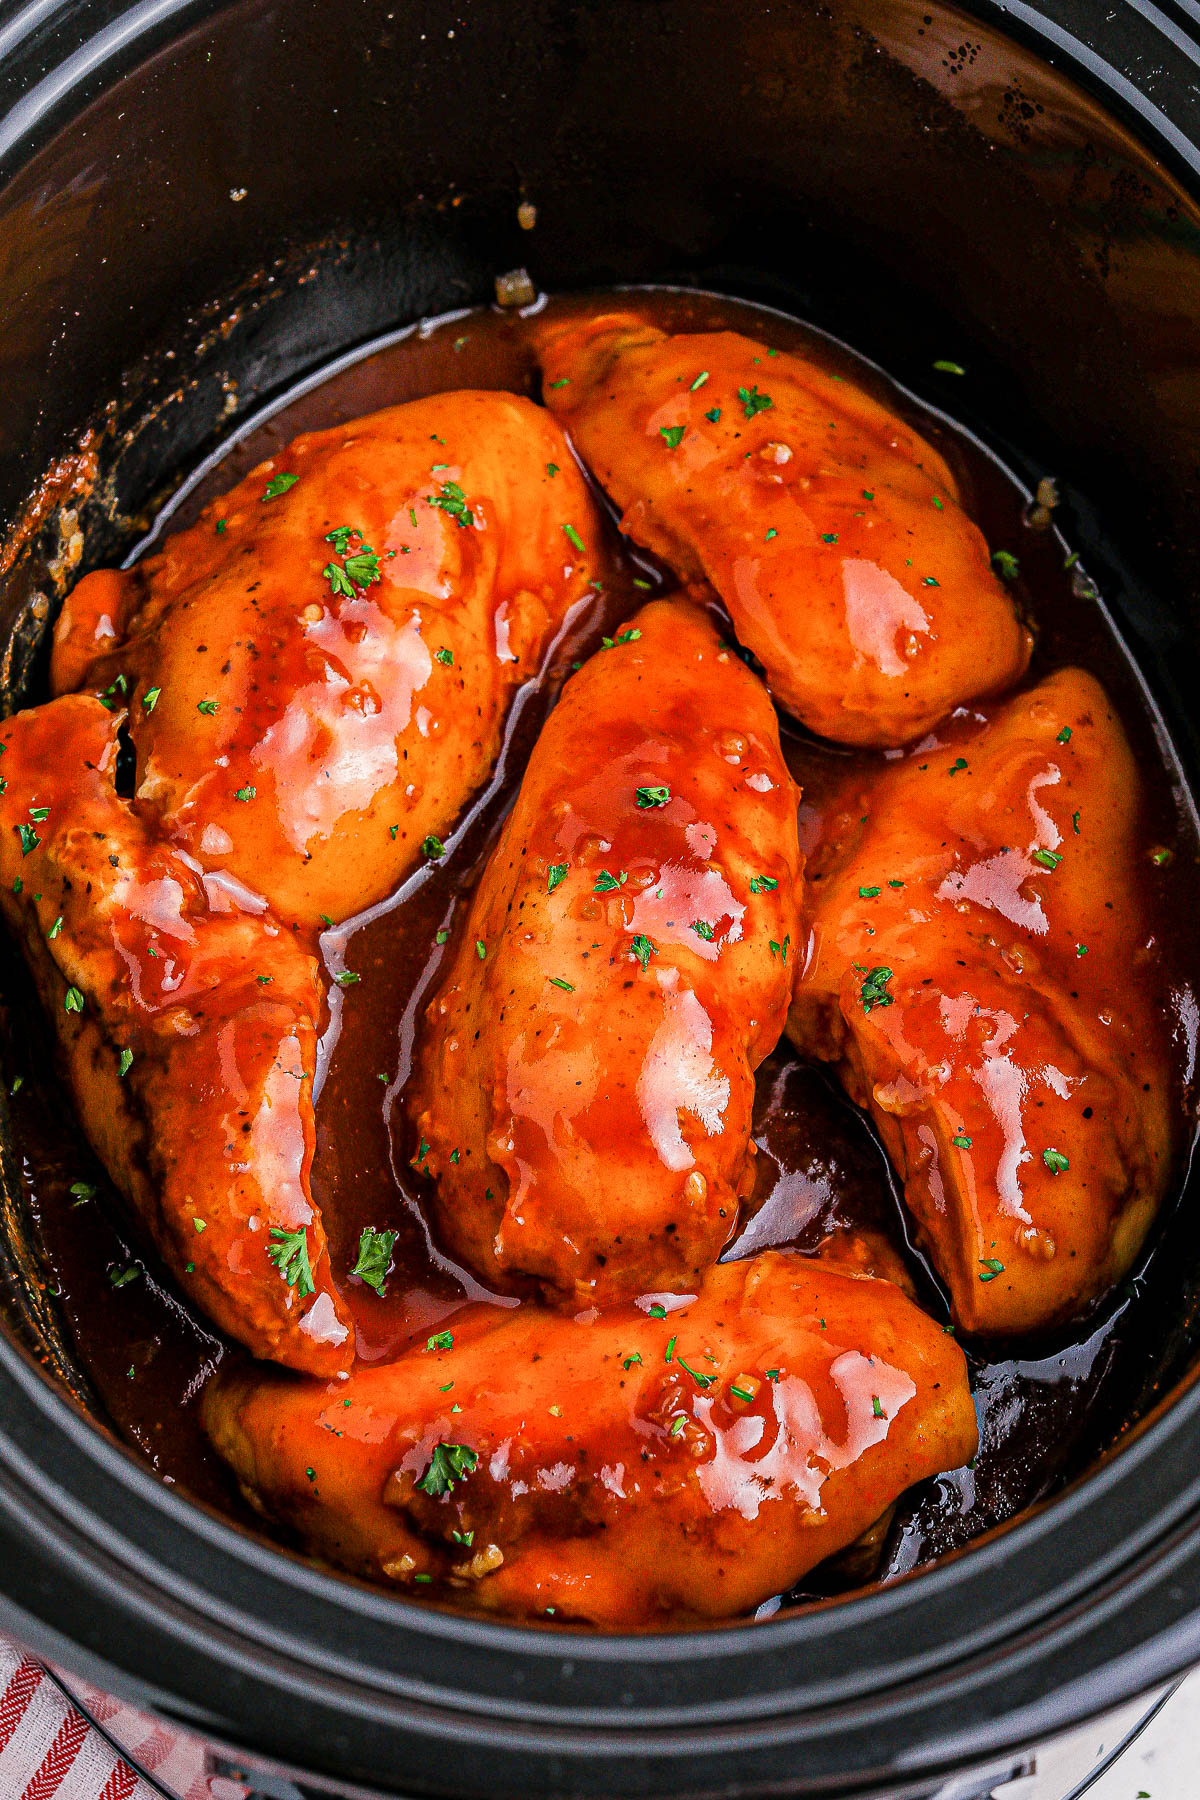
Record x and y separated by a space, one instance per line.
188 1028
830 529
583 1092
982 972
630 1471
318 671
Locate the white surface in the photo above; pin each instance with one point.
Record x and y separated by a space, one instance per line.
1164 1762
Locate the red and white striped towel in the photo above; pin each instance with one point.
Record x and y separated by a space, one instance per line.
50 1751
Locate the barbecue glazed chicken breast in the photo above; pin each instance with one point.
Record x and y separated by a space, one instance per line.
830 529
625 1472
583 1093
311 681
982 973
319 670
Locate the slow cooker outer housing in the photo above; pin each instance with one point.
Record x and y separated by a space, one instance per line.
201 203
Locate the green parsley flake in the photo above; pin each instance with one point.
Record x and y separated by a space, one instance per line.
433 847
451 499
290 1255
562 381
448 1464
678 1423
552 470
672 435
1047 859
442 936
124 1062
877 1407
122 1277
1081 949
445 657
653 796
441 1340
753 402
762 884
55 928
714 417
374 1257
29 841
208 707
605 881
874 988
703 929
949 368
633 1360
643 949
829 537
1005 565
558 982
1055 1161
480 949
1064 736
779 950
279 484
556 875
962 1142
869 893
199 1224
959 763
699 382
930 581
770 533
347 977
221 524
245 793
73 1000
573 538
150 699
1160 857
623 637
989 1268
82 1191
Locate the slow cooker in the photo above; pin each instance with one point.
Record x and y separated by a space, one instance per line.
204 202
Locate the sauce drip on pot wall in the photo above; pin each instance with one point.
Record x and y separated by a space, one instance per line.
821 1171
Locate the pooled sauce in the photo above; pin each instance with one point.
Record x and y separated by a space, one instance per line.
820 1175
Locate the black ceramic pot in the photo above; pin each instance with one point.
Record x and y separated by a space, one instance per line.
202 202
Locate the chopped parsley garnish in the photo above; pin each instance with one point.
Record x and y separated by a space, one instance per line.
122 1277
150 699
279 484
1055 1161
433 847
643 949
347 977
1064 736
73 1000
877 1406
949 368
714 417
558 982
829 537
55 928
894 881
1081 949
653 796
221 524
779 950
289 1253
451 499
962 1141
869 893
82 1191
556 875
989 1268
930 581
623 637
441 1340
633 1359
703 929
672 435
480 949
573 538
670 1350
1047 858
699 382
445 657
442 936
762 884
678 1423
245 793
208 707
468 1538
740 1393
552 470
769 534
39 814
124 1062
605 882
29 841
1160 857
874 989
448 1464
658 1310
753 402
562 381
374 1255
702 1381
1005 565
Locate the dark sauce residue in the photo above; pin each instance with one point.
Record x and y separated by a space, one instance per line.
1045 1413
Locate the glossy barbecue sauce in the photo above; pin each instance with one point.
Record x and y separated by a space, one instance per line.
821 1176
